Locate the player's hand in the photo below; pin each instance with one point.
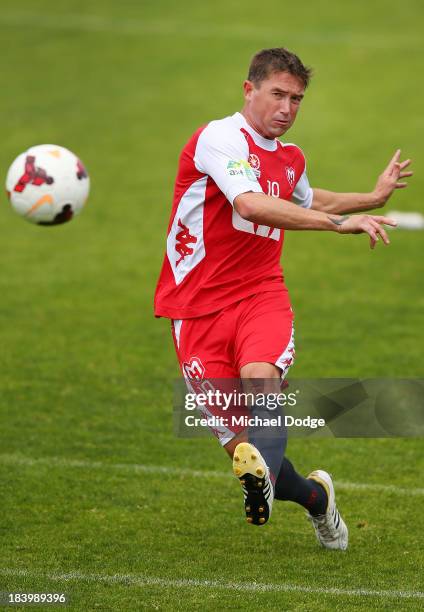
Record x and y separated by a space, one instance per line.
366 224
390 178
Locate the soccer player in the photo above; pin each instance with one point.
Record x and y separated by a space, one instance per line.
237 189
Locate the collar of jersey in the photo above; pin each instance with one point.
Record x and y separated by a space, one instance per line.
260 141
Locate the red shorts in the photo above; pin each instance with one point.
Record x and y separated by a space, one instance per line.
258 328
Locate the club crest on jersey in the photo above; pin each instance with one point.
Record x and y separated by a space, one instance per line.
290 174
194 369
255 164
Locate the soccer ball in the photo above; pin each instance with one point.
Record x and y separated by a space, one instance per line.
47 185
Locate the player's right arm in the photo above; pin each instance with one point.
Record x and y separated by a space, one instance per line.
222 153
274 212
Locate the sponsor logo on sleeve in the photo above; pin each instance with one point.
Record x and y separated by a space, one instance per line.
241 168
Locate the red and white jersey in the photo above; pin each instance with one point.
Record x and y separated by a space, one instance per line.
214 257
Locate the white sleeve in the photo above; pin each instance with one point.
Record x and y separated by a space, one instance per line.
222 153
303 194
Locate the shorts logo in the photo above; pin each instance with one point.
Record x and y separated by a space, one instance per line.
290 173
194 369
183 239
255 164
287 362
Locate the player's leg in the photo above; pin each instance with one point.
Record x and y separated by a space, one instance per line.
205 349
315 493
264 338
266 350
263 380
287 484
257 459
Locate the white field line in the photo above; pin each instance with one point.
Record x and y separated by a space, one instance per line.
134 468
137 26
141 581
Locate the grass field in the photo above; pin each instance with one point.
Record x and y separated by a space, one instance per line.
99 499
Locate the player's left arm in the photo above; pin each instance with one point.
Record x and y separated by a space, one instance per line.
344 203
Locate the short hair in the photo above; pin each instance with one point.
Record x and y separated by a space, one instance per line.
278 59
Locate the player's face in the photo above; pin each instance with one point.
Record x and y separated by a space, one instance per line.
271 107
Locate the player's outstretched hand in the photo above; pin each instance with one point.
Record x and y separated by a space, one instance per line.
390 178
366 224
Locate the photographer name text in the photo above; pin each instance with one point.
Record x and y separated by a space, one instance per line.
253 421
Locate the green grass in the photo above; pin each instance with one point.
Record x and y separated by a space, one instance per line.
86 371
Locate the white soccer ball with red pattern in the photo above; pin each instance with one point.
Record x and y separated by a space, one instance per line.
47 185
